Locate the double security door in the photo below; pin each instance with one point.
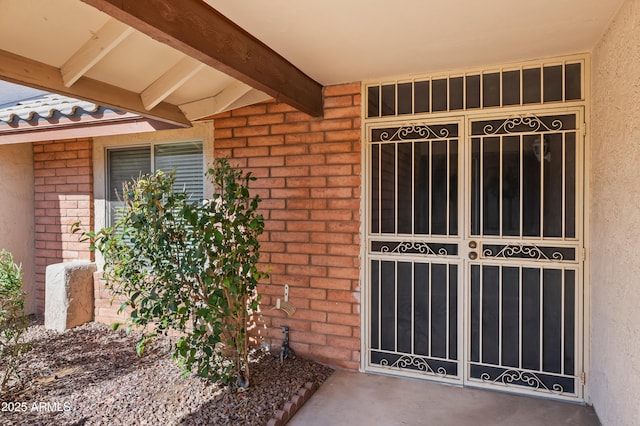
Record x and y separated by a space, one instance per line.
474 251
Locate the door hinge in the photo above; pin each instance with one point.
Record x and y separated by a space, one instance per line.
584 254
583 378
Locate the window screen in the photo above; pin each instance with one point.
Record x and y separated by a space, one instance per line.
126 164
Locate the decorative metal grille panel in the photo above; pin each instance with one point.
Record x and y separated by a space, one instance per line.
523 327
523 177
529 252
414 247
414 180
534 84
414 316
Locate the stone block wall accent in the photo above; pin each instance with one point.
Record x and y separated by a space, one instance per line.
309 178
69 294
63 191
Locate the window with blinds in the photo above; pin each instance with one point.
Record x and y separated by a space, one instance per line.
126 164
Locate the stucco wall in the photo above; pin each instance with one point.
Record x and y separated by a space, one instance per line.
16 211
615 221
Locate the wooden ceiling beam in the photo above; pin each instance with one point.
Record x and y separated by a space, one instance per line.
196 29
97 47
215 104
25 71
170 81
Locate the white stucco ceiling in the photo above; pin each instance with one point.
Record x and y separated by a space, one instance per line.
337 41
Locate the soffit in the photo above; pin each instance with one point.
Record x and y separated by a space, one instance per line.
331 41
337 41
53 34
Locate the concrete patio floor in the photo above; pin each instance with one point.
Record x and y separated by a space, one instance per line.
351 398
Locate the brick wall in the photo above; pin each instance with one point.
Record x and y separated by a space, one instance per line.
63 187
308 173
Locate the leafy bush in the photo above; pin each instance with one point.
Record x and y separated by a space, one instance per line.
13 323
189 267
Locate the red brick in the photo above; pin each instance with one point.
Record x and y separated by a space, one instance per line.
307 293
265 140
353 158
333 329
334 170
290 258
297 127
299 237
55 164
330 306
306 225
306 204
222 134
308 337
344 226
330 147
272 204
307 138
344 250
290 171
343 181
289 149
256 151
44 172
306 248
343 342
291 193
230 143
341 296
54 147
280 318
250 131
343 135
230 122
331 215
290 214
250 110
346 272
342 89
342 112
327 125
324 237
279 107
266 119
292 117
66 155
296 182
67 171
344 319
330 283
339 101
268 183
297 284
307 270
78 145
345 203
266 161
305 160
331 193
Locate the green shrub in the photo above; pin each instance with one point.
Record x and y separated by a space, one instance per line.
189 267
13 323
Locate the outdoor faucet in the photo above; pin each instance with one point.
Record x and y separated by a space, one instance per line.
286 351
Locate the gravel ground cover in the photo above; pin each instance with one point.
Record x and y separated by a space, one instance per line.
91 375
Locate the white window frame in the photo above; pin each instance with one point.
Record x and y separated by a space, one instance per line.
201 131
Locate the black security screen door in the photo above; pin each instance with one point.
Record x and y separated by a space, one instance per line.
474 251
